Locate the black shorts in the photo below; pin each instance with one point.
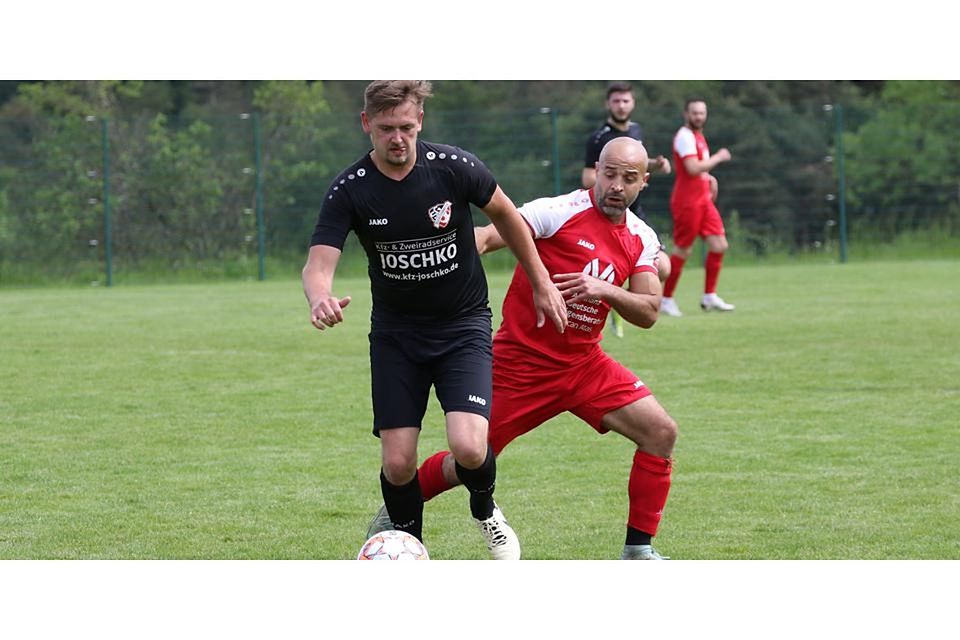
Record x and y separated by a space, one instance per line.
456 358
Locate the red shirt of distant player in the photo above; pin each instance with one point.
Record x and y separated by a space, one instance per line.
582 239
689 190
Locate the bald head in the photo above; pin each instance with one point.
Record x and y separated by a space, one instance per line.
621 176
624 150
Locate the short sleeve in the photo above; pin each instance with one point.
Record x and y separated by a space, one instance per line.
474 177
546 215
651 246
334 219
685 144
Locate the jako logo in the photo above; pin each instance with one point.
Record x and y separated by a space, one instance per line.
584 243
378 222
478 400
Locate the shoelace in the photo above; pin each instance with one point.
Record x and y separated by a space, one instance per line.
493 533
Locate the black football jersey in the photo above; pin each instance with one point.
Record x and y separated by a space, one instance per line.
417 233
605 134
602 136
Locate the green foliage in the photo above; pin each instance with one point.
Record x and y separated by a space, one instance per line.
303 149
903 163
6 220
51 175
183 182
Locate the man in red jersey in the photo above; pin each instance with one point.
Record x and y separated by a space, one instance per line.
620 104
694 214
591 243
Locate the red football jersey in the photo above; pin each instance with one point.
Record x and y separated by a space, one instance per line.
572 236
689 190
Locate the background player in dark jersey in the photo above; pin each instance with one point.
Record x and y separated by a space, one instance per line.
408 201
537 376
620 105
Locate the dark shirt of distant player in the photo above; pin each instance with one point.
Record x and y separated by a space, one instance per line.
602 136
417 233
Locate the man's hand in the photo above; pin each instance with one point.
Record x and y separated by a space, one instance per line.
714 187
723 155
328 311
660 165
580 286
548 301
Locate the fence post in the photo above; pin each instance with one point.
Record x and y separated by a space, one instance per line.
258 181
107 224
554 147
556 151
841 185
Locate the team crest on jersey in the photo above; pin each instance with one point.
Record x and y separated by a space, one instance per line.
440 214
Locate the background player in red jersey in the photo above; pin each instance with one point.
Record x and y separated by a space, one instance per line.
620 104
693 209
591 243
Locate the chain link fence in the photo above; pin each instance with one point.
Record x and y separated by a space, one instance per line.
83 199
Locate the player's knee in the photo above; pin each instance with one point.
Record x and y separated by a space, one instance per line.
469 454
659 436
665 433
718 244
399 468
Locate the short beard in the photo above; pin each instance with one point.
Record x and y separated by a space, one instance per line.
613 212
391 159
619 120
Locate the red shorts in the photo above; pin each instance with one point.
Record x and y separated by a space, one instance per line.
525 396
690 221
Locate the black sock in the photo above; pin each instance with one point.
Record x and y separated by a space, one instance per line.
404 504
635 536
480 482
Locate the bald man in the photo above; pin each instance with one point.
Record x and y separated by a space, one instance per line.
591 243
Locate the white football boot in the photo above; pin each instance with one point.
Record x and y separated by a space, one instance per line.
713 302
669 307
640 552
502 541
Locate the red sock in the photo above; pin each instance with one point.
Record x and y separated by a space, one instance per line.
676 266
432 482
648 489
712 265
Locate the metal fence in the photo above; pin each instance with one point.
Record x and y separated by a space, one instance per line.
92 200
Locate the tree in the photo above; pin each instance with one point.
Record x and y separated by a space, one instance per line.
903 163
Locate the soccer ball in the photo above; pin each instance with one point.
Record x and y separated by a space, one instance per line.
393 545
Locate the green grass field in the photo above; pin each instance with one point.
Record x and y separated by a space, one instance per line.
819 420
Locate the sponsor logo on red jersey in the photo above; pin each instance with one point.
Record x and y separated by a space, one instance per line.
593 269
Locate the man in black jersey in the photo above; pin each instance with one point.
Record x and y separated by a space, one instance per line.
408 201
620 104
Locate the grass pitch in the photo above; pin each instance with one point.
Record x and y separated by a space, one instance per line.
818 420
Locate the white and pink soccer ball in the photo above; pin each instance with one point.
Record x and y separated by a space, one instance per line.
393 545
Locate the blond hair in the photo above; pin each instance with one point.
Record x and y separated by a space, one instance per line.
382 95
